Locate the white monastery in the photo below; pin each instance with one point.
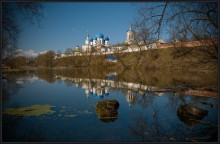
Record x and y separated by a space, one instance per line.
101 45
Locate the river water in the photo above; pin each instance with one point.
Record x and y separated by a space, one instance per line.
59 105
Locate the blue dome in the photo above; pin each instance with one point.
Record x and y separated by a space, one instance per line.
106 39
99 35
91 39
99 97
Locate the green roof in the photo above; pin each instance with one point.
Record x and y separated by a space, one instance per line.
76 50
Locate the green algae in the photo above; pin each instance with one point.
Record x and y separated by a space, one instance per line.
62 110
34 110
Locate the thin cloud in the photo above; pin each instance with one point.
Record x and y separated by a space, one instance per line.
29 53
43 52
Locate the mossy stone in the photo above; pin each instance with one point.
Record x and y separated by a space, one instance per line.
107 110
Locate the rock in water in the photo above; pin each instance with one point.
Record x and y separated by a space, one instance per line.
191 115
107 110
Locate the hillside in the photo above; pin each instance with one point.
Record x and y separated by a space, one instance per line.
151 59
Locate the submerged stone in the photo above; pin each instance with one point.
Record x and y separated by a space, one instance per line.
107 110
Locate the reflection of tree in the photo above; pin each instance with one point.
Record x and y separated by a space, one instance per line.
144 100
155 127
8 124
148 131
9 86
68 83
34 131
47 75
5 95
173 101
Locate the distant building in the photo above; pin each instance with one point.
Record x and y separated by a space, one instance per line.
130 36
160 41
100 44
76 50
97 43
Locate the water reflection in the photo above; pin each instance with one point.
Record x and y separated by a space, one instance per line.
152 107
100 88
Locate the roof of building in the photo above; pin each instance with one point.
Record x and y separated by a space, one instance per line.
99 35
130 29
76 50
161 41
111 57
106 39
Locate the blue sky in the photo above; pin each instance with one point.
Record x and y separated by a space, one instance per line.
66 25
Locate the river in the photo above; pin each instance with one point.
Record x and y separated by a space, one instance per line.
59 105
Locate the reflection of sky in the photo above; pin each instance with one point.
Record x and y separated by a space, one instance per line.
26 79
85 127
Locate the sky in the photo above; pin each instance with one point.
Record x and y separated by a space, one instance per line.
66 25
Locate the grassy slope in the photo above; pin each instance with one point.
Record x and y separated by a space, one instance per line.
156 59
163 59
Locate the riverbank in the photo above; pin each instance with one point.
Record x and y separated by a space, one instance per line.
8 70
201 93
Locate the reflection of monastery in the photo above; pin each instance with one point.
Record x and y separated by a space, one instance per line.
100 88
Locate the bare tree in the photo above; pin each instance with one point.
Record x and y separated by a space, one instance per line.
88 58
31 11
46 59
68 51
120 56
182 21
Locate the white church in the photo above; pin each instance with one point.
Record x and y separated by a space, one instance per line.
100 44
130 36
96 44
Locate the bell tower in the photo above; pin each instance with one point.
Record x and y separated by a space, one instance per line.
130 36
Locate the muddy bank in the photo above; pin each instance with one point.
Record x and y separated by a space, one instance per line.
201 93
